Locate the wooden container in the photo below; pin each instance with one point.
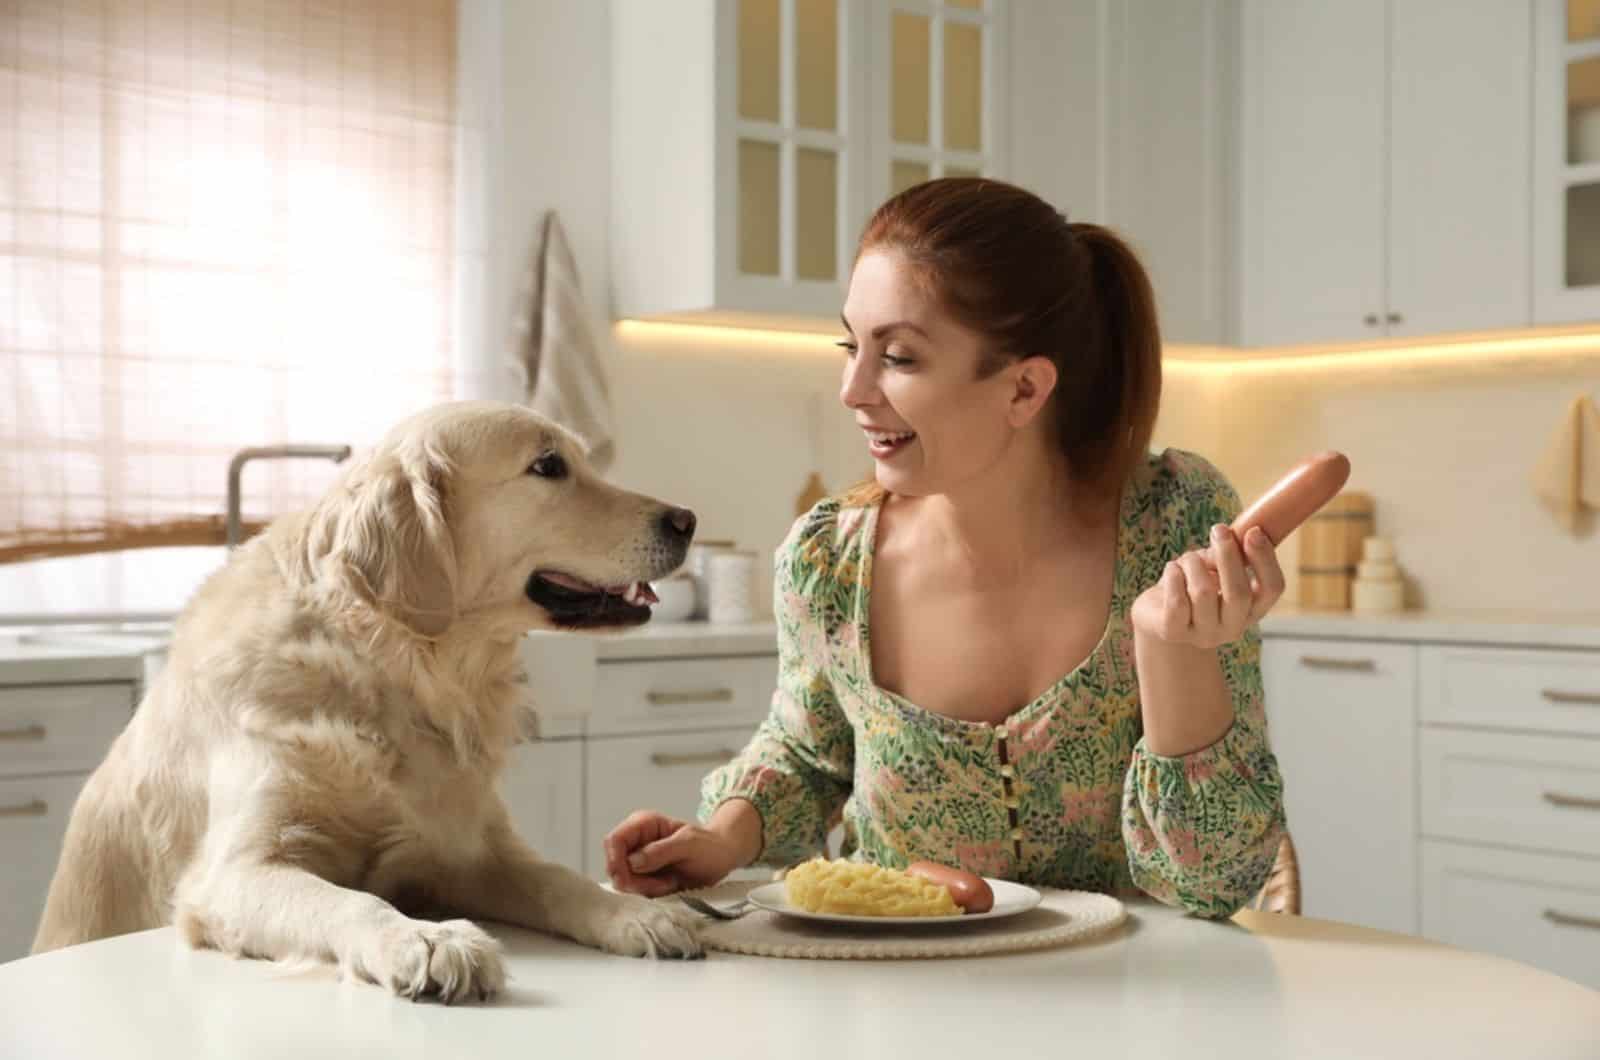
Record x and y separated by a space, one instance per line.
1330 548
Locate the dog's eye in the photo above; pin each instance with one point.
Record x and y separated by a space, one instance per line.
549 465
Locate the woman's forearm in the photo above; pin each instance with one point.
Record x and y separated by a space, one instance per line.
1185 700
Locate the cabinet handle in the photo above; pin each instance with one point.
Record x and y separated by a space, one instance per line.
1556 916
1556 798
1395 318
667 759
1323 662
1591 699
32 808
27 732
1371 320
709 695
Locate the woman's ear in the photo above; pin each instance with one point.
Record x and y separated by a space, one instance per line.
393 542
1033 381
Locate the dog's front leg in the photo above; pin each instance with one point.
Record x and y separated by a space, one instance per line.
511 885
249 907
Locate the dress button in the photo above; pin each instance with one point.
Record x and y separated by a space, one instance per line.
1006 770
1016 835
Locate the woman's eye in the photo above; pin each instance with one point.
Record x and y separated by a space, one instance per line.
895 362
848 346
549 465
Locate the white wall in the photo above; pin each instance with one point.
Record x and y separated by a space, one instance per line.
1447 452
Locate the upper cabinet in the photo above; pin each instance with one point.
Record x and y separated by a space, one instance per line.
751 139
936 100
1384 179
1566 166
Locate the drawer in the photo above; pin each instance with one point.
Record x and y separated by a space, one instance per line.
667 695
1548 691
33 818
1540 909
60 728
1515 789
627 773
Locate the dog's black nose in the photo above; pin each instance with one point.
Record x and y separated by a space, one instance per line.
678 523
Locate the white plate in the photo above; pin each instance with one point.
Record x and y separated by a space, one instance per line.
1009 900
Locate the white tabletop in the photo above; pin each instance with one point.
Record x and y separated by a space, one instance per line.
1164 986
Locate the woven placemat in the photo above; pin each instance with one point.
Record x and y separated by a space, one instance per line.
1060 918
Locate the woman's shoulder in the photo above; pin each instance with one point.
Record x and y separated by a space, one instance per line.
827 535
1184 492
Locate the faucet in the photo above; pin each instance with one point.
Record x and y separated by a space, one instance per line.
336 453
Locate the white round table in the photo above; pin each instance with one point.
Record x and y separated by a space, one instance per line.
1164 985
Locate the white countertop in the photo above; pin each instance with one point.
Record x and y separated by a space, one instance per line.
1530 629
60 658
1166 986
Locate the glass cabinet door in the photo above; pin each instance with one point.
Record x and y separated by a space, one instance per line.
940 116
791 138
1581 191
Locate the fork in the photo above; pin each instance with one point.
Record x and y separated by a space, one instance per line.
717 912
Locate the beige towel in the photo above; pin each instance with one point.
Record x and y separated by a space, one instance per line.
1567 478
554 349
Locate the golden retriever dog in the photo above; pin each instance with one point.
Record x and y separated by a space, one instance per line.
316 765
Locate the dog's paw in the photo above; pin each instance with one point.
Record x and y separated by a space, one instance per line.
638 927
453 961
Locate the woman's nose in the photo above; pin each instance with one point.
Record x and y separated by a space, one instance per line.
857 387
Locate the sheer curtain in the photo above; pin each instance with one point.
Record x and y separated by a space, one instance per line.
223 223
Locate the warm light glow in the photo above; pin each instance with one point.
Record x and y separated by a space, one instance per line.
1536 345
721 337
1546 345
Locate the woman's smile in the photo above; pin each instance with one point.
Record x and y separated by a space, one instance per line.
885 444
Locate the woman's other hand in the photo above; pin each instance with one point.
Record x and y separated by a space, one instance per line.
652 854
1208 597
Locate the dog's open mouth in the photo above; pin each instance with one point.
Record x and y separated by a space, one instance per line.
574 602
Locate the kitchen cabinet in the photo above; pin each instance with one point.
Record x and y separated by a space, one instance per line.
1510 786
1384 186
751 138
1566 161
1170 139
543 789
1485 816
1341 717
52 736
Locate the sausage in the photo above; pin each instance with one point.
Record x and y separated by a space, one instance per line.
1311 484
970 892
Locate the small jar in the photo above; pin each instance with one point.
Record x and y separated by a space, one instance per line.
732 590
698 565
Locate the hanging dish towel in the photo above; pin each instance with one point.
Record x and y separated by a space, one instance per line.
554 350
1567 479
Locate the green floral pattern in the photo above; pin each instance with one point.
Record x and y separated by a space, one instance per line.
1093 808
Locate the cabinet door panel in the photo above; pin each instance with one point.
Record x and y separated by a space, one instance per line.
33 819
1342 721
1314 174
1461 80
543 789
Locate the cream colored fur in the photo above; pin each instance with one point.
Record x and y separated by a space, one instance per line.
317 763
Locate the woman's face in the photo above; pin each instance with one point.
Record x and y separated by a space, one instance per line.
911 379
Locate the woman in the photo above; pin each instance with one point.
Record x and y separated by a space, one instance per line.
1027 648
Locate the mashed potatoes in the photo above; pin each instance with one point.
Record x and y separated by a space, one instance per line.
859 889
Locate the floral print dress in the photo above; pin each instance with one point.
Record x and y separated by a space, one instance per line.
1063 793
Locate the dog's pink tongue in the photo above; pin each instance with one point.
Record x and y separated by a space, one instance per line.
568 581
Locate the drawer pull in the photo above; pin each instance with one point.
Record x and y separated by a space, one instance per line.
667 759
1555 798
31 733
1591 699
1324 662
1556 916
709 695
32 808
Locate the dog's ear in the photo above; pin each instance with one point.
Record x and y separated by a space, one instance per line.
392 540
